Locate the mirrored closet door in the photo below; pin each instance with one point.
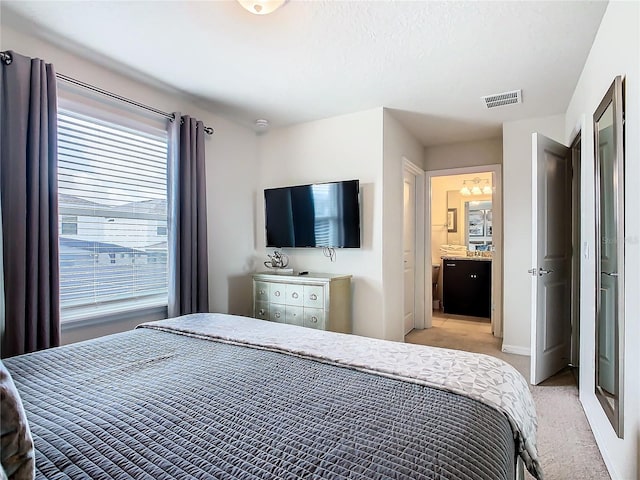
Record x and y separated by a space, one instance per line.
609 189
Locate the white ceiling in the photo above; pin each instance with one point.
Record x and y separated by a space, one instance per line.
427 61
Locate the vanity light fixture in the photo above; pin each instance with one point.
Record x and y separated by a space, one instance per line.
261 7
475 187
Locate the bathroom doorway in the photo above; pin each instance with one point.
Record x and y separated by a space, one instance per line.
464 244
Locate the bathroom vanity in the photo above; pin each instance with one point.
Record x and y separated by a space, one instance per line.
467 286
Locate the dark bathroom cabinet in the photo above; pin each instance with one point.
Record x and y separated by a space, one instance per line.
467 287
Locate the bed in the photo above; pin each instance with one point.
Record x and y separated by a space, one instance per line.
219 396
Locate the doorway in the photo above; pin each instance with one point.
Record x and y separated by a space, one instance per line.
464 232
409 250
413 246
555 286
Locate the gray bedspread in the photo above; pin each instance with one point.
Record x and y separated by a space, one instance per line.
157 405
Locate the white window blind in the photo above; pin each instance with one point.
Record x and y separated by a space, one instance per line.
112 196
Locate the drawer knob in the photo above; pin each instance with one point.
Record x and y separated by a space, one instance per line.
294 295
277 293
314 319
277 315
313 296
261 292
261 312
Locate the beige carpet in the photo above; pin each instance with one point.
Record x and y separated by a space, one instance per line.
566 445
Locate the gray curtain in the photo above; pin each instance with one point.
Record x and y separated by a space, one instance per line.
1 271
29 199
188 264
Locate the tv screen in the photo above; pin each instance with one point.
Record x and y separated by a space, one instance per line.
317 215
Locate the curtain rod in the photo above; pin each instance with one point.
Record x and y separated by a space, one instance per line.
6 58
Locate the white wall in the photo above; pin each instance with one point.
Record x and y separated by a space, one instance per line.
231 174
516 170
615 51
463 154
369 146
339 148
398 144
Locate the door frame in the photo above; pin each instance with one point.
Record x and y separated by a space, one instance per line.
547 361
497 326
420 297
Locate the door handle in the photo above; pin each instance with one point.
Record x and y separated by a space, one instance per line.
612 274
539 271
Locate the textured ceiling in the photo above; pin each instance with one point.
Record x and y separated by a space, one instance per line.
427 61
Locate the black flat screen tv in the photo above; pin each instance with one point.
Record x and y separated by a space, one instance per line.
316 215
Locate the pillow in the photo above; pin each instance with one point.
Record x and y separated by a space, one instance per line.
16 444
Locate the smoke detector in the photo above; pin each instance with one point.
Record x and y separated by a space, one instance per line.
261 123
501 99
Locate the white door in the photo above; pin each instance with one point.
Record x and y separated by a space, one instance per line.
409 250
551 272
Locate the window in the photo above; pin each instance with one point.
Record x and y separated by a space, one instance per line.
68 225
112 182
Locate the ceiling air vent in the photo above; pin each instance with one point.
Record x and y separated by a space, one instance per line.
500 99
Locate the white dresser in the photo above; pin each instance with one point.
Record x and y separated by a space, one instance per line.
316 300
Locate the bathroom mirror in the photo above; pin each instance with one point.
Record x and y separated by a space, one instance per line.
474 220
609 216
478 225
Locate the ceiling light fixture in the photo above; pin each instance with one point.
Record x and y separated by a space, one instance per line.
261 7
475 187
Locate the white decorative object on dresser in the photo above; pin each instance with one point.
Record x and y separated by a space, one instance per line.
315 300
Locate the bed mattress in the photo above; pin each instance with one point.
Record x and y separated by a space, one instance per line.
158 405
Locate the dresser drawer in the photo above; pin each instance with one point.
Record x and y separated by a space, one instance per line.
294 315
314 318
294 294
262 310
262 291
314 296
277 313
277 293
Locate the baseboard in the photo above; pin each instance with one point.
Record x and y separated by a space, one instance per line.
516 349
601 443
